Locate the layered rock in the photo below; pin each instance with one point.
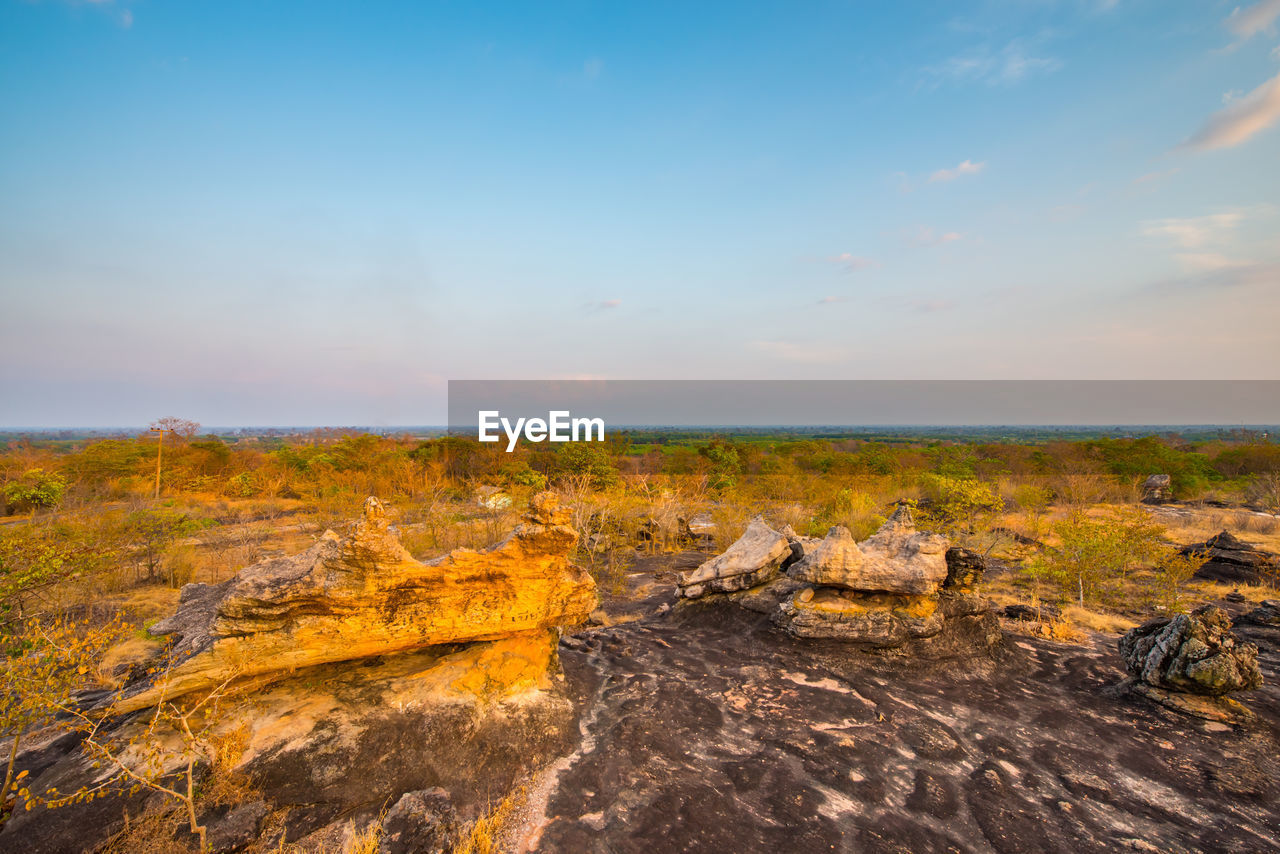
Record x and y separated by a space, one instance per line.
1189 663
364 595
1232 560
881 620
1266 614
754 559
896 559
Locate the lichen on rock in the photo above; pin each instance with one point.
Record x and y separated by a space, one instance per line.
1193 653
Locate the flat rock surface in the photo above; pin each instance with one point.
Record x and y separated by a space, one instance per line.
706 729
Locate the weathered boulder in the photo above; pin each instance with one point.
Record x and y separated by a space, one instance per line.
364 595
1232 560
896 559
1194 653
696 531
964 569
755 558
1266 614
1158 489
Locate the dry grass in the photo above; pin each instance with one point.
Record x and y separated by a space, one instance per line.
1097 621
487 834
365 841
1208 591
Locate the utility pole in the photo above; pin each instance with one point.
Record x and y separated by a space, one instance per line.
159 431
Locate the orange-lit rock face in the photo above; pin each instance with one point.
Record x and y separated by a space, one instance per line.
363 595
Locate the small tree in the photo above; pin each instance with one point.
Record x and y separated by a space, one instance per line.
36 490
146 760
45 664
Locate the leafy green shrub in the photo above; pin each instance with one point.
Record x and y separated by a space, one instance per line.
36 490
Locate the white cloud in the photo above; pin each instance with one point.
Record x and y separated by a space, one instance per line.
604 305
1247 21
831 300
126 19
852 263
1240 120
1193 232
967 167
592 68
927 236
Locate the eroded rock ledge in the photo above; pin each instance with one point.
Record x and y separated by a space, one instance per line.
355 596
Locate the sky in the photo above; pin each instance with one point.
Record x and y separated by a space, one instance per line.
270 213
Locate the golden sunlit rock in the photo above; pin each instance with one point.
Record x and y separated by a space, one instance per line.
364 595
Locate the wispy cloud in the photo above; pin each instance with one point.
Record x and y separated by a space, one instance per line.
1005 66
1193 232
925 236
603 305
593 68
967 167
1241 119
1247 21
832 300
851 263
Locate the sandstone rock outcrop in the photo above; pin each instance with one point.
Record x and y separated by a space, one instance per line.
754 559
1158 489
1232 560
355 596
896 559
900 588
1195 653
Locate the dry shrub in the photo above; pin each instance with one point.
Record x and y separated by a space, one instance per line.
155 831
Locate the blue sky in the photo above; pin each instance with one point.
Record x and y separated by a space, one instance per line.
318 213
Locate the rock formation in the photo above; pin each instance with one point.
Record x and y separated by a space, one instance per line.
897 559
1266 614
1191 654
457 687
755 558
1158 489
901 587
363 595
1232 560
